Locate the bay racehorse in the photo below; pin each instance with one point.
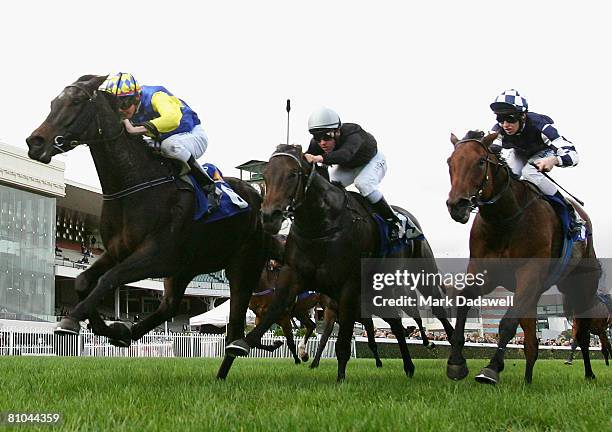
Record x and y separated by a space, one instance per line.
332 231
146 224
601 323
301 309
520 233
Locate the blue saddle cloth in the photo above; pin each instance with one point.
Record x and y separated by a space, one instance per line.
568 241
386 247
229 207
305 295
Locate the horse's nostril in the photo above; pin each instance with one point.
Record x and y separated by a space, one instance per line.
35 141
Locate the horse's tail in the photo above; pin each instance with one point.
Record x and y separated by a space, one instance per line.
581 300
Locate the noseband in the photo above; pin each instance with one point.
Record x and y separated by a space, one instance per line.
294 204
63 143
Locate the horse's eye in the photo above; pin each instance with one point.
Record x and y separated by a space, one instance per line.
293 174
481 162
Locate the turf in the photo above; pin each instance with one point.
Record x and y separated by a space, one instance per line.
182 394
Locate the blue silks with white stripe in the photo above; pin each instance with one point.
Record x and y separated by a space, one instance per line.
231 203
386 247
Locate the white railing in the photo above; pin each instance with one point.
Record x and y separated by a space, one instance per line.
45 343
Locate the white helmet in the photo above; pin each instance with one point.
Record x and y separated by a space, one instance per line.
323 118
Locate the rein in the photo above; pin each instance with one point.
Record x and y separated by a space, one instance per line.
476 198
88 114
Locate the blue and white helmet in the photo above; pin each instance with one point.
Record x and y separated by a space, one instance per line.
510 101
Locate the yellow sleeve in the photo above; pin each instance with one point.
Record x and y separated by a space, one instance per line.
169 110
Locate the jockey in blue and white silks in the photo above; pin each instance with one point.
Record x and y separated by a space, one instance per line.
532 138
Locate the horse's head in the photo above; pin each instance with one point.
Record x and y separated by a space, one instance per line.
286 176
469 168
69 122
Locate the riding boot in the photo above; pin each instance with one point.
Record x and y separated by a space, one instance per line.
575 224
207 183
396 228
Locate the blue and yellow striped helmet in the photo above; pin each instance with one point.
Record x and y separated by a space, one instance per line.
121 84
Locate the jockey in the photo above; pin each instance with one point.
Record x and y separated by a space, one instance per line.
355 154
532 138
158 114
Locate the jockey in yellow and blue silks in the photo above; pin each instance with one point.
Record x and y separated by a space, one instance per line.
155 112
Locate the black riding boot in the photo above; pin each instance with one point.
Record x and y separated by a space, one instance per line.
385 210
575 226
207 183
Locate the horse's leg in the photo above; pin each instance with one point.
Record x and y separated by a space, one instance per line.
400 335
142 263
456 366
174 289
438 311
83 285
583 334
369 327
329 320
570 358
243 273
310 328
525 302
285 323
606 348
286 290
426 342
530 346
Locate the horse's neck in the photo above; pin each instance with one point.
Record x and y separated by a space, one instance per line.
322 208
509 203
125 162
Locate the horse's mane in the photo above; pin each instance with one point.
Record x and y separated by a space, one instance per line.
474 135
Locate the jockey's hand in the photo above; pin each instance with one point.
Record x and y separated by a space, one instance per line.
313 158
134 130
546 164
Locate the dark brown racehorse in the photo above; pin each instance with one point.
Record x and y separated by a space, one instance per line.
520 231
600 326
262 297
332 230
146 222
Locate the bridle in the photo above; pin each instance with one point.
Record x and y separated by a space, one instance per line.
89 113
294 204
475 199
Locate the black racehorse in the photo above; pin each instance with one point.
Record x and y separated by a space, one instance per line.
146 224
518 233
331 231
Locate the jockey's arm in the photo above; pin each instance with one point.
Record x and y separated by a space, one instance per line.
170 115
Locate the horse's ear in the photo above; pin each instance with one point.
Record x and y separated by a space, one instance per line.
298 147
92 81
488 140
454 139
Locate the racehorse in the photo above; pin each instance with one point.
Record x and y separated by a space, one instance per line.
600 325
304 303
513 222
331 231
146 224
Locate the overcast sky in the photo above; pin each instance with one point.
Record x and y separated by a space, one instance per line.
409 72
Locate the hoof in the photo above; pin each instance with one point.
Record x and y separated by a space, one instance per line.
123 335
409 371
238 348
68 326
589 377
378 363
457 372
431 346
314 365
297 361
568 362
487 376
305 357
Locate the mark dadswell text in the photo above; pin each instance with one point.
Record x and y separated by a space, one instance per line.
429 301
